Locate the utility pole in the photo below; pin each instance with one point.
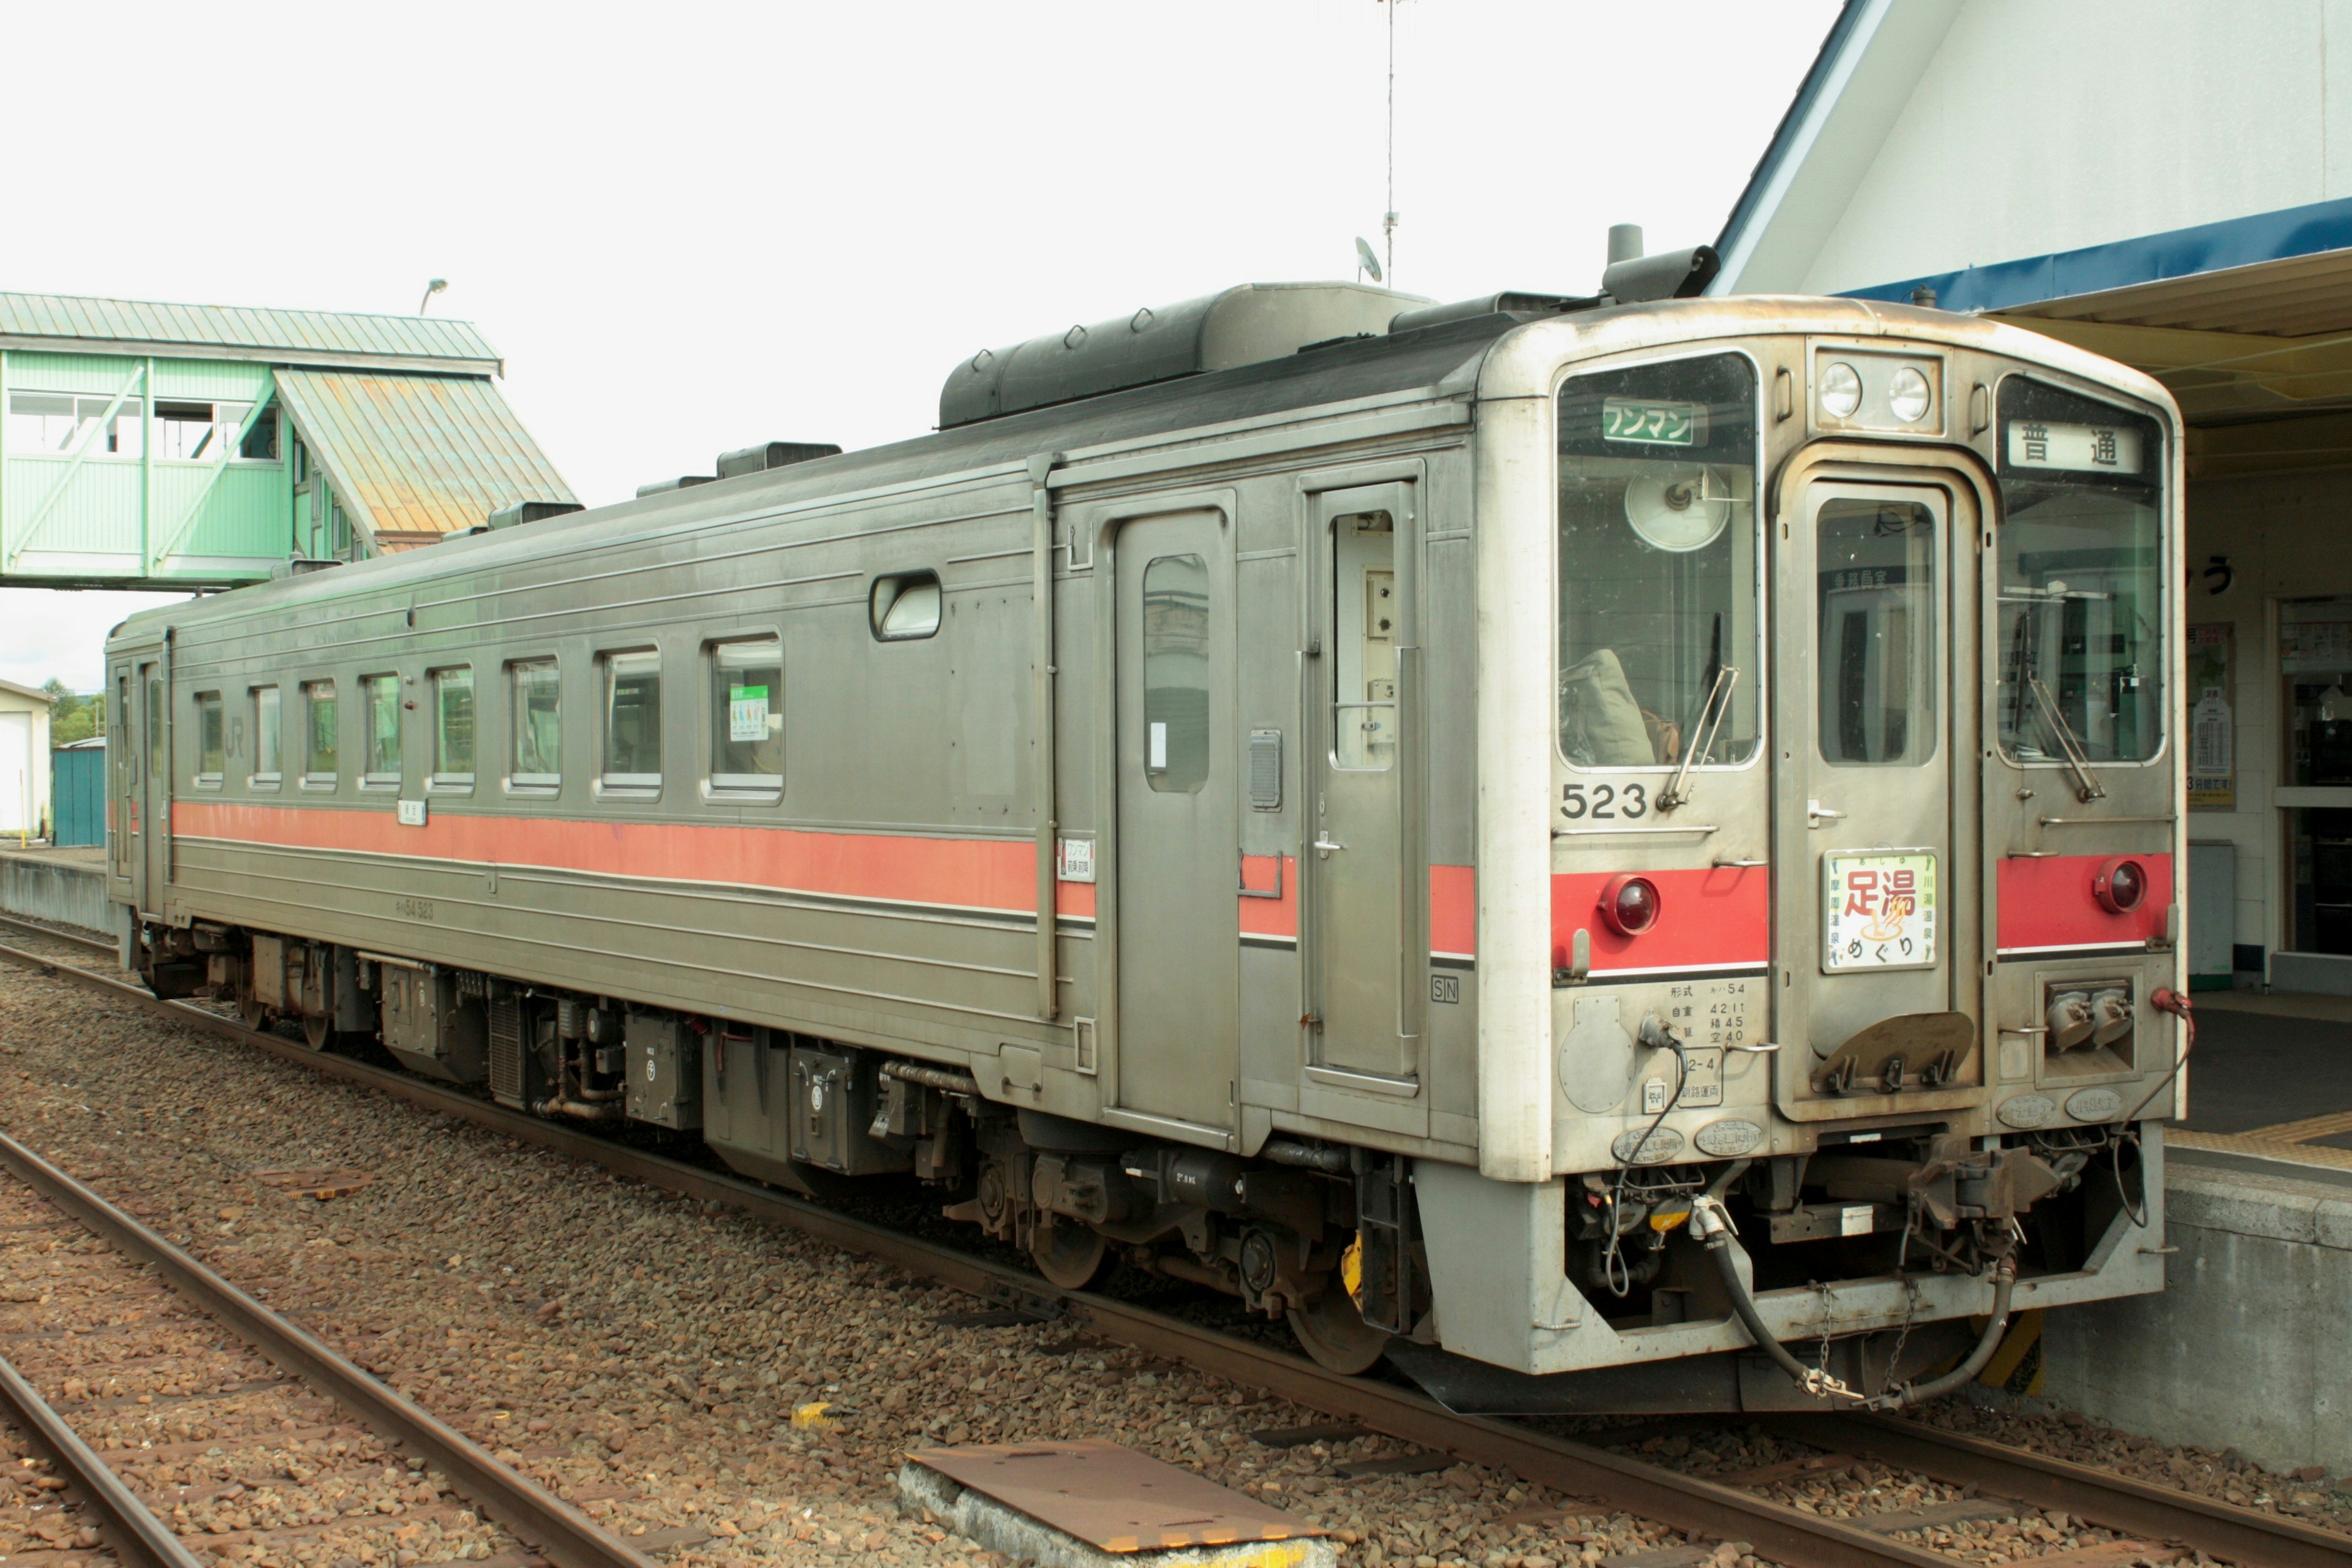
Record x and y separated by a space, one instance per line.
1389 218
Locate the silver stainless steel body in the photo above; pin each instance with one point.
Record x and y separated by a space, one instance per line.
1296 747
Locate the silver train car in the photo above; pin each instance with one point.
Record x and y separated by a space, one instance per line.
1536 836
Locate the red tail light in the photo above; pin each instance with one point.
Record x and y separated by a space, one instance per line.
1630 905
2119 885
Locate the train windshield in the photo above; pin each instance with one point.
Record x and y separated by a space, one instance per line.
1658 586
2081 657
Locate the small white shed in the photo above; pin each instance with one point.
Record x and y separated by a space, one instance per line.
24 760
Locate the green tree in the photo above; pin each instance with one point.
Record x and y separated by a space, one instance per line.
73 717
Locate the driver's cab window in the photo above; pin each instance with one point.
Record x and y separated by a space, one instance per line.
1657 565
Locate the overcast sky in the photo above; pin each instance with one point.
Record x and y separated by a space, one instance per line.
689 228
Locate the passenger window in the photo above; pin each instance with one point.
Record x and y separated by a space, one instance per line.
268 739
212 754
382 694
632 721
538 725
905 606
319 734
452 727
1877 657
1176 674
746 715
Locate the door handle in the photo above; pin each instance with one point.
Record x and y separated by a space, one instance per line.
1324 847
1816 814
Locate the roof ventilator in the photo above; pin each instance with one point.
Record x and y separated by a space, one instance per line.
1250 325
530 512
771 455
683 482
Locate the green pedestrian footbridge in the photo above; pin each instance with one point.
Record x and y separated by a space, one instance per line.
180 447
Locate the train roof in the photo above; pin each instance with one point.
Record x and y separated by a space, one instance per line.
1447 359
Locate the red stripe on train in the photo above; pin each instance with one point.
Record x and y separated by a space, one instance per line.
2048 904
1717 917
963 873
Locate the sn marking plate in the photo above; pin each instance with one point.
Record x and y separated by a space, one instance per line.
1878 910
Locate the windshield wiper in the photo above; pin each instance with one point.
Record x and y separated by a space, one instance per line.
1702 741
2070 744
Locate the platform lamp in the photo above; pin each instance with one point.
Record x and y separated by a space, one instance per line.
430 290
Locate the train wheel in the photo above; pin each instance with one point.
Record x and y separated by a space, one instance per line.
1333 1329
255 1015
318 1030
1071 1256
1335 1333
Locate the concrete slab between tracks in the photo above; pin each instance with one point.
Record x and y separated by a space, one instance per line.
2247 1347
66 887
998 1525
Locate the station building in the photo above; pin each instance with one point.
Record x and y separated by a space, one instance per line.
149 445
24 761
2167 183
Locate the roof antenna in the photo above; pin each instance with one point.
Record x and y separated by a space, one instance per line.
1365 261
1389 218
430 290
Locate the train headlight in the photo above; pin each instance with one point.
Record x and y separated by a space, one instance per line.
2119 885
1630 905
1908 396
1841 390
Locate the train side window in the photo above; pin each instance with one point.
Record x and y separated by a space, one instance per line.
211 751
905 606
381 695
319 735
453 729
538 726
268 739
632 723
747 717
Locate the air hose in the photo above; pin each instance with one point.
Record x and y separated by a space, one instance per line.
1715 1231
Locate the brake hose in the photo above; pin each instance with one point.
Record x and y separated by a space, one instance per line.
1715 1230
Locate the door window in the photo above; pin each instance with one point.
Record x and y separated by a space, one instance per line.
1364 641
1176 674
1875 659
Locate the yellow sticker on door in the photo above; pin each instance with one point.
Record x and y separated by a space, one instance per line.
1878 910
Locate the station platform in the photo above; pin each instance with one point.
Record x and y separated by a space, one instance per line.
64 885
2270 1080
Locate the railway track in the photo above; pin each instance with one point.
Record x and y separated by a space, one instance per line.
2155 1523
295 1441
93 944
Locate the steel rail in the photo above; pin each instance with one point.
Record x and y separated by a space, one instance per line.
2218 1529
129 1525
1687 1503
540 1519
34 928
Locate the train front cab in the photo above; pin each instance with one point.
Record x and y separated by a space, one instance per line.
1826 896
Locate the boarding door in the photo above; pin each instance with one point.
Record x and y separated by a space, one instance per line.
1879 892
1366 952
1178 938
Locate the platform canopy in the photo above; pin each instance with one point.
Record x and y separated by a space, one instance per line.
156 445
